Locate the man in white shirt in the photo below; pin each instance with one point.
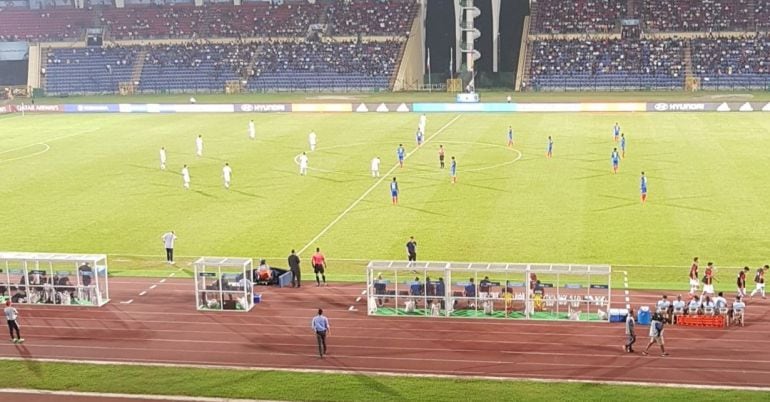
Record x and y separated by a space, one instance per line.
162 158
720 301
199 145
694 304
11 315
311 138
376 166
186 177
303 164
252 130
656 335
630 332
736 313
423 122
227 174
168 242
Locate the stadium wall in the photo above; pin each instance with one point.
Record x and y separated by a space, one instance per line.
596 107
409 76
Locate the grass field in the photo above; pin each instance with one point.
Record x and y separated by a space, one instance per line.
92 184
328 387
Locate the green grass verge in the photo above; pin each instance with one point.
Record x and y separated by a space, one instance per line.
277 385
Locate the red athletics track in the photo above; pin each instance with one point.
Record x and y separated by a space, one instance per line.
162 326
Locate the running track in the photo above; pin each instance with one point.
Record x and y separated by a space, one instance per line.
162 326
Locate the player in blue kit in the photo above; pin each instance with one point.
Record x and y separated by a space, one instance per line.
510 136
616 132
623 145
453 170
549 148
401 153
615 157
643 187
418 137
394 191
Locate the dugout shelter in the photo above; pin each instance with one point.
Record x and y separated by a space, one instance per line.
489 290
54 279
224 284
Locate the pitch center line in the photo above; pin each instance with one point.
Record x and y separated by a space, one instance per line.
373 186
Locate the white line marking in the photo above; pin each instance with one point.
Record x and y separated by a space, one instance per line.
352 308
626 292
373 186
144 292
363 292
358 299
162 281
127 302
153 286
628 306
47 147
172 274
628 299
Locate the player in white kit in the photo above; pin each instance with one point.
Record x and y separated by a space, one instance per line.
199 145
186 177
303 164
252 130
312 138
227 174
423 122
162 158
376 166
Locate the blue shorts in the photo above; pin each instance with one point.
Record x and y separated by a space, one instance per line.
394 193
644 191
400 158
615 163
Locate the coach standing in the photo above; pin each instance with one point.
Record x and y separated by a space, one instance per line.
11 315
320 325
168 241
296 275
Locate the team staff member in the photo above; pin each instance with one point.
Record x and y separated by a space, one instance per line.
11 315
411 249
296 275
630 332
319 266
320 325
708 280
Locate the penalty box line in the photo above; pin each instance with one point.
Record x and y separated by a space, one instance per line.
372 187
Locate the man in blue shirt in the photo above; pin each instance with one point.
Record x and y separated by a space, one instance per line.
623 145
643 187
453 170
615 158
616 132
320 325
549 148
394 191
401 154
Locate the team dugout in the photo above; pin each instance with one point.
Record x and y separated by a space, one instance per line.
59 279
489 290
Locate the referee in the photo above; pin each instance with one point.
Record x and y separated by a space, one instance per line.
411 249
320 325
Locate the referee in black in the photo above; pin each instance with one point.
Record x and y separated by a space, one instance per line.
411 249
296 275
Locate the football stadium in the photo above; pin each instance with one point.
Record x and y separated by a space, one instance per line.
384 200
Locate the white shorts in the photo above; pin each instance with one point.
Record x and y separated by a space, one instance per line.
760 286
694 283
657 339
708 289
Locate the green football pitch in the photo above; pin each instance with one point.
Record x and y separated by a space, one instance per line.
92 183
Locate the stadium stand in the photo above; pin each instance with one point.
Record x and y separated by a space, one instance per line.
391 18
607 64
303 65
581 16
699 15
735 62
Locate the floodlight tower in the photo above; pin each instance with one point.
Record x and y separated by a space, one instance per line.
470 34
